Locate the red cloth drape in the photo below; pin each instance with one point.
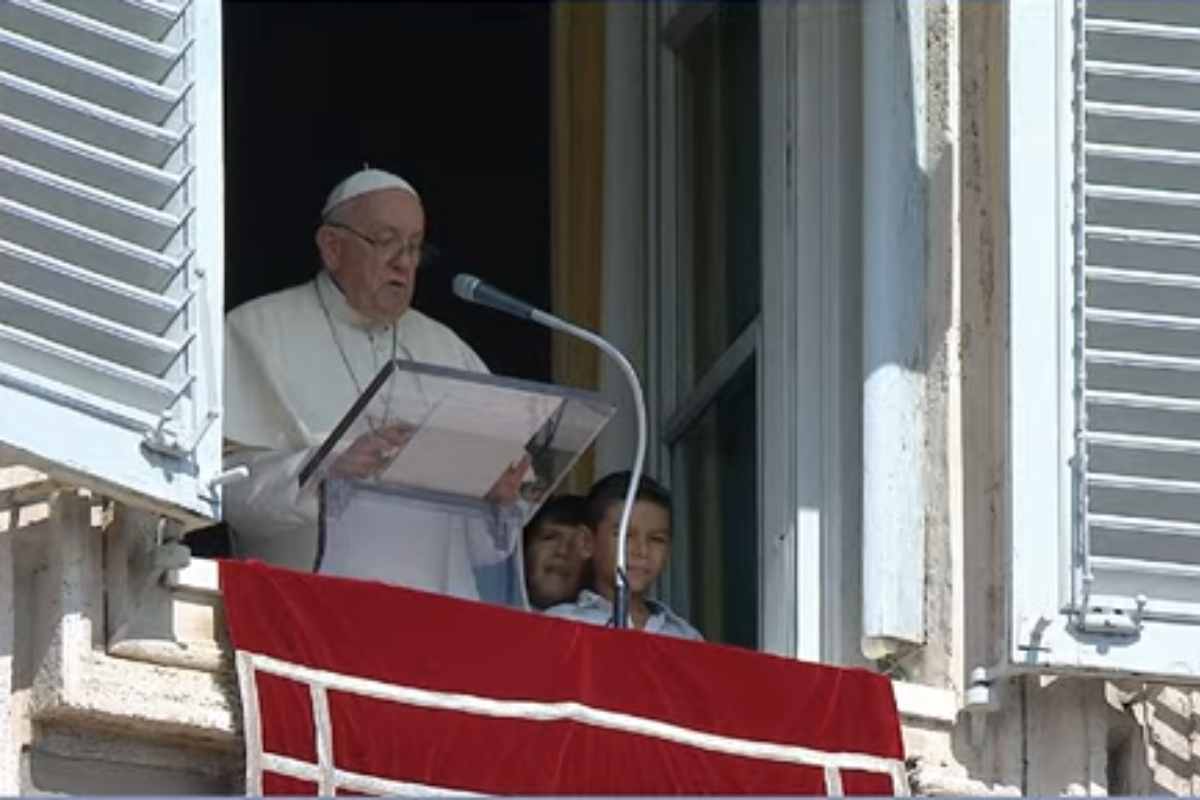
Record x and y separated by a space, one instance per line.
449 647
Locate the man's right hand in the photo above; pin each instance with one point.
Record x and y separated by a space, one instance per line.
370 453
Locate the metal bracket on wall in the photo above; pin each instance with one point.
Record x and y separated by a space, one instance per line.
985 695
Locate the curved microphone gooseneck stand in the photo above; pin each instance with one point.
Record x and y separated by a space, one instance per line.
474 290
621 600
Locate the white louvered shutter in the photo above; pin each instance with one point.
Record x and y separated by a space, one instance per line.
1124 532
111 244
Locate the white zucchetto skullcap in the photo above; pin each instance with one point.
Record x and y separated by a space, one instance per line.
364 181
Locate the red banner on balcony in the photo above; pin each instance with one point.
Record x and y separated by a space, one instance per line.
359 687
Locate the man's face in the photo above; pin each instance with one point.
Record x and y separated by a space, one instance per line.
554 563
648 546
377 278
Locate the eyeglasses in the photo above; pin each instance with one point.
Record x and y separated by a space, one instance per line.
389 248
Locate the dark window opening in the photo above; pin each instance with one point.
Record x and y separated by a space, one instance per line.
455 97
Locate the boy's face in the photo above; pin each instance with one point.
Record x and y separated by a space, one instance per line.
647 550
554 556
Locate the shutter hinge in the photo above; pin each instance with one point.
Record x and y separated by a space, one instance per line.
1112 621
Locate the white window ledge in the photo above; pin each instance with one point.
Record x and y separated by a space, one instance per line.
915 701
201 576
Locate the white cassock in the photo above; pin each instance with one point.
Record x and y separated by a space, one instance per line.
286 386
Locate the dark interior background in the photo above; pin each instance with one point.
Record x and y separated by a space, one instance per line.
453 96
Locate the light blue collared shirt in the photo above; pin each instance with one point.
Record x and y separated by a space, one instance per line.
594 608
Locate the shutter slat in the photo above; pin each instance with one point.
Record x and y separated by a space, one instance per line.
80 77
1146 360
1159 568
1172 596
1155 485
1141 277
1143 401
1157 175
1137 111
1117 522
1177 12
36 382
1156 444
87 332
151 312
1165 463
1127 255
1115 69
1124 539
1140 419
150 18
1135 319
1144 237
76 244
74 32
72 200
1143 29
1162 126
94 166
104 212
1135 195
1158 46
78 118
90 375
1144 154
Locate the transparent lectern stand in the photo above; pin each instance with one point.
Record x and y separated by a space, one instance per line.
430 477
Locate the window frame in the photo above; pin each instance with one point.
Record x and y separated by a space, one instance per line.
809 537
670 26
675 410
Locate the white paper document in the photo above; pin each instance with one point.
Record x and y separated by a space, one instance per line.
463 446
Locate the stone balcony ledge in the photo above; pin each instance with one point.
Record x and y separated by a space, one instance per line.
117 673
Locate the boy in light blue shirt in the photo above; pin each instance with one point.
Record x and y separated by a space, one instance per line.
647 551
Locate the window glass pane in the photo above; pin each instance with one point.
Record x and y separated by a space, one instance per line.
719 223
714 568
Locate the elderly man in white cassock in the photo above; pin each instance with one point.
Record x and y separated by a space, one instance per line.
297 360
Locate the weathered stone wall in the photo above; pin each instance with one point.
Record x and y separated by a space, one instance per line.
80 718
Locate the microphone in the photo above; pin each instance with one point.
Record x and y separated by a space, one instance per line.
473 290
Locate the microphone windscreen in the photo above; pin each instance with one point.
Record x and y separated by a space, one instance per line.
473 290
464 286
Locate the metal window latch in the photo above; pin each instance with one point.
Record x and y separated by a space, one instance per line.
1113 621
164 440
